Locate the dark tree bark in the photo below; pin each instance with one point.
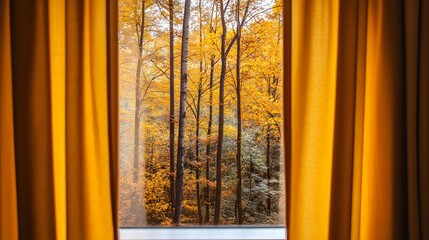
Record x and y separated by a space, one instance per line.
268 164
208 146
250 173
197 131
272 86
171 16
268 176
221 117
209 126
136 163
197 154
238 92
224 51
224 54
182 116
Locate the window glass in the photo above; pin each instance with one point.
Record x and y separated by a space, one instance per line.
231 144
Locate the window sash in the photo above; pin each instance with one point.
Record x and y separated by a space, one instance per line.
202 233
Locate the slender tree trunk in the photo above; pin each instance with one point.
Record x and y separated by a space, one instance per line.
251 169
138 103
238 92
268 169
268 160
224 54
172 190
208 150
221 118
136 164
197 133
197 155
182 116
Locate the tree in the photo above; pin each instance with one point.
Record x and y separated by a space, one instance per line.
197 117
224 54
212 30
208 145
182 115
225 49
136 171
171 52
196 106
240 25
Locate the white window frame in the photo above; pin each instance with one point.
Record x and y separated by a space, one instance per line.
203 233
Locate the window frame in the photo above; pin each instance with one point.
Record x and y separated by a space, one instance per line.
241 232
203 233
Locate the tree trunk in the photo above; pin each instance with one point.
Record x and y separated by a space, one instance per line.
221 118
136 164
251 170
197 154
208 150
238 92
182 116
197 131
268 169
271 95
172 190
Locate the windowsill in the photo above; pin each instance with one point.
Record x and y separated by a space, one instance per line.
201 233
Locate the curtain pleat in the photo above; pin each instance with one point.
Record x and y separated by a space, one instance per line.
360 86
412 66
59 119
8 202
383 191
418 117
343 145
359 115
32 119
314 58
423 120
113 104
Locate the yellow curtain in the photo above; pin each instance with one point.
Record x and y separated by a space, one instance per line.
58 124
359 166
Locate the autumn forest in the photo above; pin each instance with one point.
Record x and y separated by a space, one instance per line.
200 112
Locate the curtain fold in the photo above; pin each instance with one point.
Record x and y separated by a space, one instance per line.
8 208
59 119
359 110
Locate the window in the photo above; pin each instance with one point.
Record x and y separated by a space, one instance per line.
230 171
